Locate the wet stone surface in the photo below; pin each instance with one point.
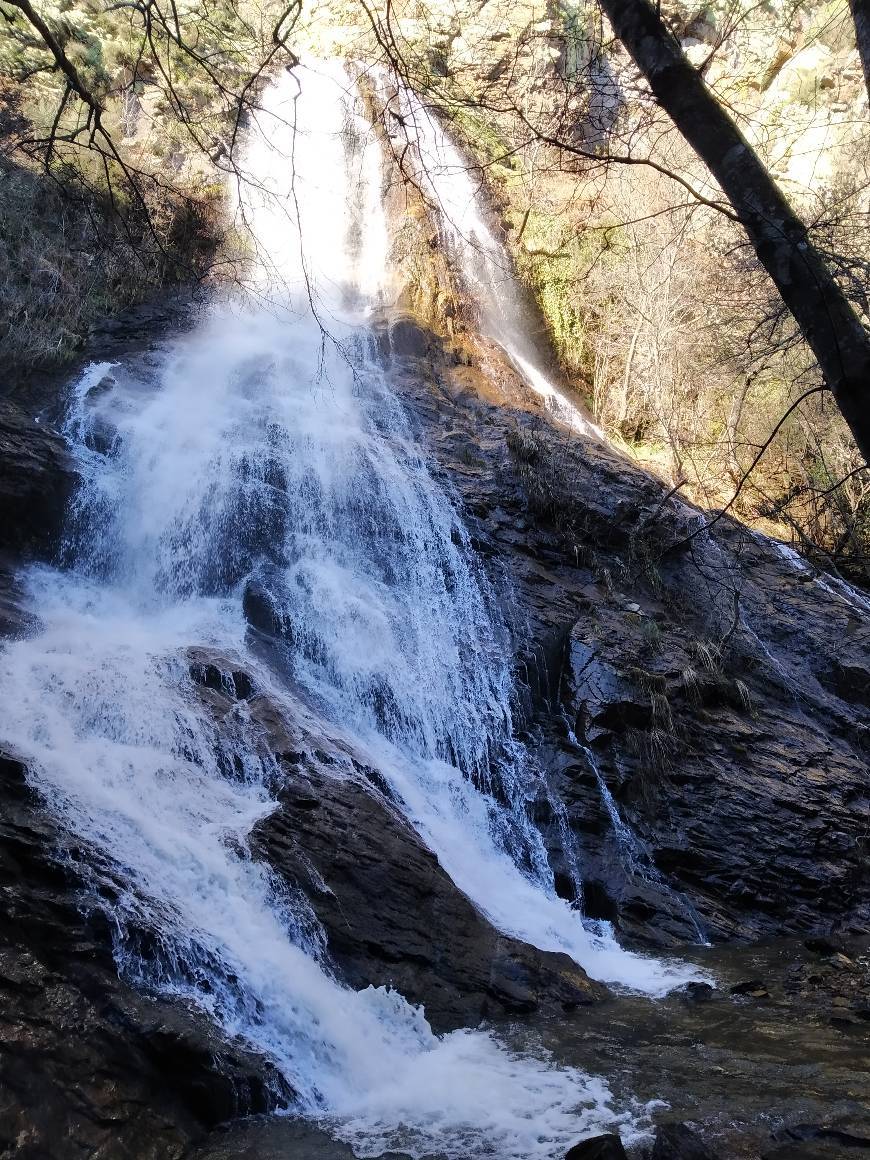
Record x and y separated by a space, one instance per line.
773 1064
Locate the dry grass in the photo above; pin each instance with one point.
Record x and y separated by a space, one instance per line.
66 262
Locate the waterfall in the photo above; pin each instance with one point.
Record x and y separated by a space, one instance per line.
266 451
447 178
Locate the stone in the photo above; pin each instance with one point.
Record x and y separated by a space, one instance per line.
217 673
261 609
699 992
392 915
679 1142
88 1065
747 987
607 1147
823 946
758 774
754 988
407 337
37 476
270 1138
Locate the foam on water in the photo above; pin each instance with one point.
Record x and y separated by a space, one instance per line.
266 451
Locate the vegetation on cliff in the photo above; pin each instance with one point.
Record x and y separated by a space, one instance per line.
660 310
120 125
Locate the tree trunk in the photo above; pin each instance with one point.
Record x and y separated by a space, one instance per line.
826 318
861 19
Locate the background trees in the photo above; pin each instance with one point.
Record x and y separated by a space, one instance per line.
662 307
121 123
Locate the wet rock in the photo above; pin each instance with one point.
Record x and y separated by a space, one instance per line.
36 478
607 1147
261 605
219 674
543 667
699 992
15 619
851 682
603 699
740 768
392 915
407 337
816 1142
679 1142
824 946
754 988
266 1138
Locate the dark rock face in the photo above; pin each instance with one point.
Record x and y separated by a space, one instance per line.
816 1142
391 913
719 690
220 675
36 479
271 1139
679 1142
608 1147
35 482
394 917
406 337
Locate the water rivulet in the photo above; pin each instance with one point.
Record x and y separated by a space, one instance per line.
265 461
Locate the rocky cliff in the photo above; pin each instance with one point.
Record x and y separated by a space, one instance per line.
716 683
698 699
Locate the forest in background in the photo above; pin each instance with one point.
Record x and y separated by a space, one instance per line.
658 308
660 313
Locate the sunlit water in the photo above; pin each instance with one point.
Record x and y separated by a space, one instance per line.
454 189
268 449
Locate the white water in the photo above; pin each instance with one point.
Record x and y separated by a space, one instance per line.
835 586
265 450
446 177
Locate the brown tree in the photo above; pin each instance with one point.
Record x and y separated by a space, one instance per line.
861 18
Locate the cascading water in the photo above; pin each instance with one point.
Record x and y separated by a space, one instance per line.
440 170
268 454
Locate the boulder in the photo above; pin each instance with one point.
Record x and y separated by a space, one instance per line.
221 674
391 913
607 1147
407 337
679 1142
269 1138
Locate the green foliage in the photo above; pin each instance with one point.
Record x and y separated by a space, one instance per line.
551 257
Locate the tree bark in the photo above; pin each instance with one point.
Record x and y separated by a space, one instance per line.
825 316
861 20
